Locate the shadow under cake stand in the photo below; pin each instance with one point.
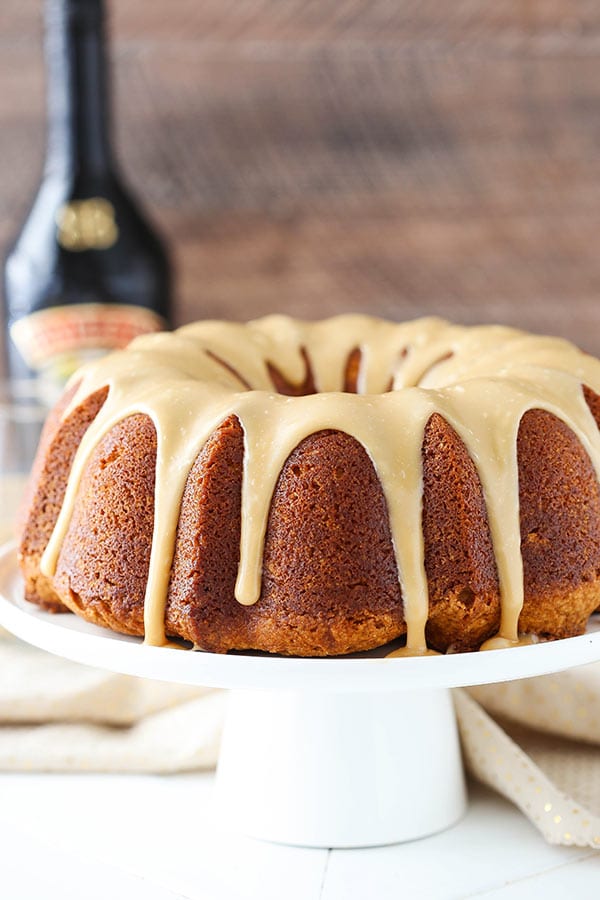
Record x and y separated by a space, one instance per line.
346 752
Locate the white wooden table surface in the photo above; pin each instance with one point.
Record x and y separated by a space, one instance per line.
90 837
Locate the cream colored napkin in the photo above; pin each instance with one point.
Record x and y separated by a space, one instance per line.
58 716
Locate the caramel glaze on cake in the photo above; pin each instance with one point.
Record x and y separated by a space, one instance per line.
317 489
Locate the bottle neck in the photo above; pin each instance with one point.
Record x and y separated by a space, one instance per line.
78 113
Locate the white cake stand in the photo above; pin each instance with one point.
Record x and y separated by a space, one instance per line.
346 752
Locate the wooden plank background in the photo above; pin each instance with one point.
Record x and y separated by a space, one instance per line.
316 156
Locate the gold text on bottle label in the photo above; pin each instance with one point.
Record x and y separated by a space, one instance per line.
87 224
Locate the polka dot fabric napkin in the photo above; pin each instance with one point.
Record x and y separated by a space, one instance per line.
537 742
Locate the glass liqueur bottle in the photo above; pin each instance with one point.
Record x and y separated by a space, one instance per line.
87 272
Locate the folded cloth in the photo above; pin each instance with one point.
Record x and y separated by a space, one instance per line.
57 716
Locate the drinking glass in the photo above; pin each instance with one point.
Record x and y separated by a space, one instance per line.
21 422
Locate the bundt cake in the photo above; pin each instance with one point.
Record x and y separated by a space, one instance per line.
320 488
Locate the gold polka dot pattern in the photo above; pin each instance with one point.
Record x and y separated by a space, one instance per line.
527 752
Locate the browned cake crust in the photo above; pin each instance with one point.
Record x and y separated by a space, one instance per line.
46 489
330 582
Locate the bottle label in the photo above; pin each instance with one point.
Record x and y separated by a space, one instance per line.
87 225
55 342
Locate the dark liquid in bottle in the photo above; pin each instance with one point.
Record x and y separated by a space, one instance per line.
87 273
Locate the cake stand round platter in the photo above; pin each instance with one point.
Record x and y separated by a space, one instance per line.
354 751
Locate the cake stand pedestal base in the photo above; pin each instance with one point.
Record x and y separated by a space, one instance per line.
340 769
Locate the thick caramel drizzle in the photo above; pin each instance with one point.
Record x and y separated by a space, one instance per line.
480 380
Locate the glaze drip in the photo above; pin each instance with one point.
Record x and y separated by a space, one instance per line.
480 380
